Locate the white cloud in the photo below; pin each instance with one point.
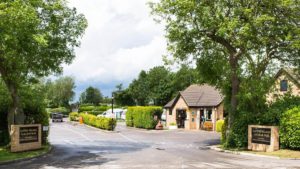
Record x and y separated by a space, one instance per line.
122 39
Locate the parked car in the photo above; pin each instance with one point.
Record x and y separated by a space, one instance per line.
118 113
57 117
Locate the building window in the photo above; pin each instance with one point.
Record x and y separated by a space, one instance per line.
170 112
209 114
283 85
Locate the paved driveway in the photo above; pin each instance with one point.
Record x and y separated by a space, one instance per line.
78 146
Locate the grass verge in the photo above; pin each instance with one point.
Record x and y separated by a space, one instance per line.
6 155
283 153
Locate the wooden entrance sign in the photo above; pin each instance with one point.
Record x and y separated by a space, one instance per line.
263 138
25 137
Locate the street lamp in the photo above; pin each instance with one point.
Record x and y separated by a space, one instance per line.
112 103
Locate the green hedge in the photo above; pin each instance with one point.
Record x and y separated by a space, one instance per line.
74 116
129 116
290 129
99 122
143 117
219 125
62 110
95 110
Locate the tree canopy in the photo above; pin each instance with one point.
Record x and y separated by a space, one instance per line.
91 95
60 92
36 38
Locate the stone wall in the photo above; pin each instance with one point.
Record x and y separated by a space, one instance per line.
23 144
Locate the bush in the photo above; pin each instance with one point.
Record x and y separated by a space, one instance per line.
62 110
219 125
273 115
290 129
95 110
238 135
129 117
99 122
86 108
74 116
143 117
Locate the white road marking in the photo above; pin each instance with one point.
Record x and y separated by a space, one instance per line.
127 138
68 141
76 132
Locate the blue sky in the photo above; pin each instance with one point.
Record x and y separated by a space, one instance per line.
122 39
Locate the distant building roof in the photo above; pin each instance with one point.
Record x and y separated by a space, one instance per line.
199 96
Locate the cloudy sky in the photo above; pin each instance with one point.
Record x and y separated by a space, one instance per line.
121 40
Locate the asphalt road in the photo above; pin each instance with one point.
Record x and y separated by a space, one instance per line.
78 146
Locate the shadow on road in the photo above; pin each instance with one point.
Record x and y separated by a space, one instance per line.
79 156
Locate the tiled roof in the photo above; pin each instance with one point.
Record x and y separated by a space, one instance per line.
199 96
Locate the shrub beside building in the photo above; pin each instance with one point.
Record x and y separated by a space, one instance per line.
143 117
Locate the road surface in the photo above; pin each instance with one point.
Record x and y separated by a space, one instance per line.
79 146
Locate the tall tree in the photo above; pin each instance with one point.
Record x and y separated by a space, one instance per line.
36 37
61 91
159 84
246 36
139 89
91 95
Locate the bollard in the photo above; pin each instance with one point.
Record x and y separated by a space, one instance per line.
80 120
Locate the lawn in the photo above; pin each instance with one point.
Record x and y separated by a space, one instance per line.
6 155
283 153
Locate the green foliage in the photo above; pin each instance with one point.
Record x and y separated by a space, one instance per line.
290 129
60 92
219 125
129 116
99 122
276 109
238 135
123 98
33 103
143 117
224 129
35 43
74 116
91 96
62 110
95 110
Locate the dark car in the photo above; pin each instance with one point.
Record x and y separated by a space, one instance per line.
57 117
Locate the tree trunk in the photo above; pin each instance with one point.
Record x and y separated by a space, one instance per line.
15 114
235 85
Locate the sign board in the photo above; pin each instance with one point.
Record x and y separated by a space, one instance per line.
261 135
25 137
45 128
263 138
29 134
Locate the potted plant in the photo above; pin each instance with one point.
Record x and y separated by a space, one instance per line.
172 126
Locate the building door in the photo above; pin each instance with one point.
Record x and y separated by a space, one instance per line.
193 120
201 118
180 118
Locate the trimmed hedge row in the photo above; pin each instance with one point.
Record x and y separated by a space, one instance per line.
62 110
143 117
74 116
99 122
